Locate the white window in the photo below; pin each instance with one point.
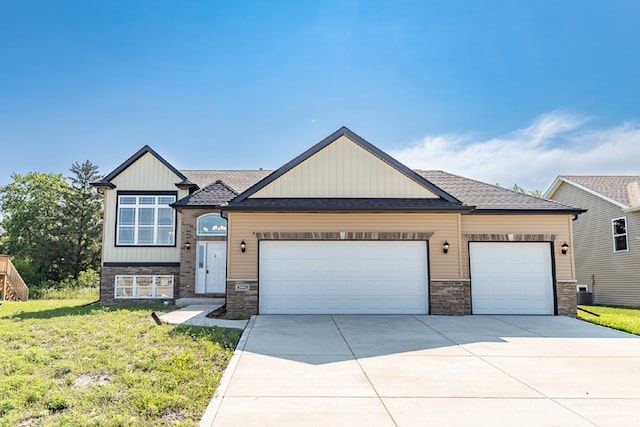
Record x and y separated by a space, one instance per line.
144 287
212 225
620 242
146 220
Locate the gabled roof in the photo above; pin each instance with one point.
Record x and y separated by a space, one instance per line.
213 195
106 181
622 191
344 131
489 198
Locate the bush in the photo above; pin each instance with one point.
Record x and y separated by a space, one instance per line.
28 271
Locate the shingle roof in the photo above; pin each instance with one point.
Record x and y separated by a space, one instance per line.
215 194
238 180
622 189
489 197
470 192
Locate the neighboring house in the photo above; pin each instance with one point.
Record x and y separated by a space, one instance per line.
607 236
342 228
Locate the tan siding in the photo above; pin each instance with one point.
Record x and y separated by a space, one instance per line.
617 275
344 169
243 225
523 224
146 174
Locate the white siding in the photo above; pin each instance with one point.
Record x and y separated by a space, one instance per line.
344 169
146 174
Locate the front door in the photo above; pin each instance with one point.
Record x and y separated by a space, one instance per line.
211 271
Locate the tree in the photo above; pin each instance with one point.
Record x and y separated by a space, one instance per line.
52 226
536 193
82 211
32 222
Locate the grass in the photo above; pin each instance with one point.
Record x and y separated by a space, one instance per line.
622 318
92 294
67 362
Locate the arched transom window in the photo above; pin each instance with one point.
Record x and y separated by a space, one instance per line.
212 225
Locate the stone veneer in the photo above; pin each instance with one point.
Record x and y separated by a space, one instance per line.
242 297
566 297
108 282
450 297
189 218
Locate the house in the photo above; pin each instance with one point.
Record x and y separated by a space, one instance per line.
607 236
342 228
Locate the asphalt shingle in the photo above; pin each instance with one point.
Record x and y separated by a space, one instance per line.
622 189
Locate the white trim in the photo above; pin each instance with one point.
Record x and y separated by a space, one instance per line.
626 234
134 286
226 230
136 226
561 179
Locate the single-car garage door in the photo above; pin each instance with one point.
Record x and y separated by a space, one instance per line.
511 278
343 277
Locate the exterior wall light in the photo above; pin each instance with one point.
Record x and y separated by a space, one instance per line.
187 245
565 248
445 247
243 246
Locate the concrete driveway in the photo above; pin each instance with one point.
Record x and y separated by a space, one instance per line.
429 370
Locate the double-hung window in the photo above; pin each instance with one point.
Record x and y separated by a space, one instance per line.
620 241
146 220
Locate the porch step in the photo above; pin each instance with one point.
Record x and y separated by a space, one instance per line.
183 302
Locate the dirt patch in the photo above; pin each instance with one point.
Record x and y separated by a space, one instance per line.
89 380
221 313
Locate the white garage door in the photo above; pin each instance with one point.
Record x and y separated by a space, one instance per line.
511 278
343 277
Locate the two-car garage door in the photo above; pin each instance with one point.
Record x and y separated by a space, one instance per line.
511 278
345 277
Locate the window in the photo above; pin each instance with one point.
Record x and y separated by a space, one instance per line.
144 287
212 225
620 242
146 220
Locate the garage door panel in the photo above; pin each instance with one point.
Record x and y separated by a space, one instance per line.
343 277
511 278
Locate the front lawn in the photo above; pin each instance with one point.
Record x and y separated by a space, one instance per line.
623 318
65 363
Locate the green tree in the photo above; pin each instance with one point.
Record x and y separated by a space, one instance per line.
32 223
536 193
52 226
82 211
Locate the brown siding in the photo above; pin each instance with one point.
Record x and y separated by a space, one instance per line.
243 225
616 275
558 225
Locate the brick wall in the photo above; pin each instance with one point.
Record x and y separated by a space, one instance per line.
188 218
566 296
243 298
108 283
450 297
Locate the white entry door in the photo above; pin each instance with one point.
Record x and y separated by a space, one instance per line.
343 277
211 271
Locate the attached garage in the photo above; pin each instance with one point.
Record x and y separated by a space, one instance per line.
343 277
511 278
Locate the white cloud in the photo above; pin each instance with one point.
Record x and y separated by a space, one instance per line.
554 144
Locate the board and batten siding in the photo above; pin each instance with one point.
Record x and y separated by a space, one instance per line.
146 174
242 226
344 169
616 275
560 225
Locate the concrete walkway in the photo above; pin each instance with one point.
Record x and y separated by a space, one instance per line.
429 370
196 315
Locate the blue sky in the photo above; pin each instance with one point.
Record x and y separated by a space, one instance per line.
502 91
